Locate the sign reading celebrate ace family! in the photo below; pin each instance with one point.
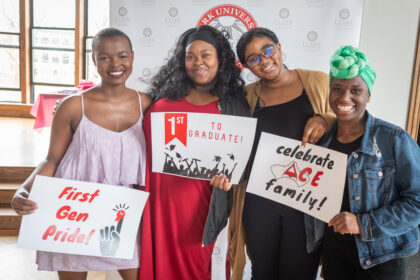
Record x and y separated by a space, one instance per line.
310 179
82 218
201 145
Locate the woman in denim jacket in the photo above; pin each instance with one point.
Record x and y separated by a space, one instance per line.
380 214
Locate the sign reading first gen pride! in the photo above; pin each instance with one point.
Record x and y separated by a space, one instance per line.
199 145
310 179
82 218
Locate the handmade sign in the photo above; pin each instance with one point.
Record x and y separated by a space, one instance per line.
82 218
310 179
200 145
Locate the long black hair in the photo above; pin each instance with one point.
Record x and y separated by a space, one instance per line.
172 81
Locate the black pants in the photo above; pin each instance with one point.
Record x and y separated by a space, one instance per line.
276 240
342 262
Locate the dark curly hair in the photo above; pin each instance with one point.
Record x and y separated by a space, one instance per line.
247 37
172 81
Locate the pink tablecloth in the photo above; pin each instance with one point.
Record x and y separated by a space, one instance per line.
43 109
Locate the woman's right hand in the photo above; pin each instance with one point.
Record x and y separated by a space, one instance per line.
22 205
221 182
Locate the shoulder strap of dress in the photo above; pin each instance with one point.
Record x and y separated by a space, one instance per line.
83 105
141 111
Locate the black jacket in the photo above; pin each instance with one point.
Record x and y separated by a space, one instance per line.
221 201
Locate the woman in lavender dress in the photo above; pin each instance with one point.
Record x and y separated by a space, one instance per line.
96 136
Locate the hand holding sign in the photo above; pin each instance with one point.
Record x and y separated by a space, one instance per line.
22 205
221 182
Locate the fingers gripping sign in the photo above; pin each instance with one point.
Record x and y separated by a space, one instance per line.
221 182
315 128
23 205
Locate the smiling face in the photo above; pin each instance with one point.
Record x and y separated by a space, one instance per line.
348 99
201 63
113 58
269 68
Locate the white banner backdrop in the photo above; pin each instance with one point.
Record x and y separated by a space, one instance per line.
309 32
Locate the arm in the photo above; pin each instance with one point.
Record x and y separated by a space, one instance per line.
146 101
61 135
403 214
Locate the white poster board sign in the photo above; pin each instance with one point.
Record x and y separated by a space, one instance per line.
310 179
199 145
82 218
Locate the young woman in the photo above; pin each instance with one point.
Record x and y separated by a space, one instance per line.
184 216
380 213
96 136
292 103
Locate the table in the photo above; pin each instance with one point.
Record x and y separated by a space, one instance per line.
43 109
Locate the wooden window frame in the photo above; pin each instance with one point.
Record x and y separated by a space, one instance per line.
22 109
413 117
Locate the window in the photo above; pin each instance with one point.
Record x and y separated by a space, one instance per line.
9 51
53 34
98 18
45 45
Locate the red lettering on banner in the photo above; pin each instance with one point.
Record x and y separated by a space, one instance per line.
176 127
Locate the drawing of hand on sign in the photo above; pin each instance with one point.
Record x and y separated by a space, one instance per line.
110 235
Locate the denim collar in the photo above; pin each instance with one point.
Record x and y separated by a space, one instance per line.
368 143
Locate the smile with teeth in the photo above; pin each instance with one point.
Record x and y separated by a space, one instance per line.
268 67
345 108
116 73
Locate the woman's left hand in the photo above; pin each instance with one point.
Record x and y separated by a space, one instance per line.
345 223
221 182
315 128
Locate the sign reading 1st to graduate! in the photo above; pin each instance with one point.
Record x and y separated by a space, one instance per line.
82 218
201 145
310 179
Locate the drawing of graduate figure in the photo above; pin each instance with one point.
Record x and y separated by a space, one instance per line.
109 238
193 167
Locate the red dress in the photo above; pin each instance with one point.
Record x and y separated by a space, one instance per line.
175 215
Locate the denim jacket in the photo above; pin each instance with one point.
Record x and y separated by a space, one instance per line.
384 190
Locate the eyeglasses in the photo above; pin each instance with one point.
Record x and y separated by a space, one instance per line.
256 59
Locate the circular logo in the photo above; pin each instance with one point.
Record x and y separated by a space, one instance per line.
231 20
122 11
312 36
216 250
147 32
344 14
146 72
173 12
284 13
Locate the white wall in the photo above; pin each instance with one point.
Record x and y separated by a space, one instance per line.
388 38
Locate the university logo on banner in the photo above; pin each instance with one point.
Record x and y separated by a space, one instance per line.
82 218
200 145
310 179
231 20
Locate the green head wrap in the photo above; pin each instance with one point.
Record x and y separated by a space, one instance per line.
348 62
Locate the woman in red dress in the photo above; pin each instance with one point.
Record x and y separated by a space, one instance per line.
184 216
